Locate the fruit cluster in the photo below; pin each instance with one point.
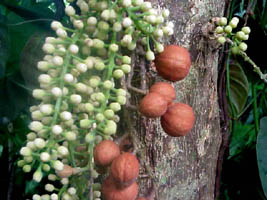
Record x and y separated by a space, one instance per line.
80 97
177 119
223 32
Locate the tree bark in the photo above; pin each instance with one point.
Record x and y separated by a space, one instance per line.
184 168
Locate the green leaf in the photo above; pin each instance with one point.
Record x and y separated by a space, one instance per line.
4 45
30 187
261 148
239 88
1 150
243 137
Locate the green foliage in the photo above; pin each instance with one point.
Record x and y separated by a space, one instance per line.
262 153
238 87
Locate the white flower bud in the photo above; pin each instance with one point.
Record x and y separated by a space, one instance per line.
36 126
117 27
57 92
37 176
70 136
46 79
115 106
105 14
46 109
89 62
31 136
159 47
68 78
64 181
84 7
146 6
114 47
25 151
78 24
57 60
26 168
165 13
158 33
126 3
72 191
126 22
65 115
121 100
48 48
75 99
39 143
73 48
167 30
137 2
81 67
45 157
170 24
69 10
31 145
92 21
150 55
37 115
57 129
63 151
43 66
61 33
46 167
45 197
36 197
151 19
38 94
127 39
58 165
98 44
54 196
52 177
56 25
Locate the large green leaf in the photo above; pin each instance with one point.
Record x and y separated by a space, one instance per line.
4 45
243 137
262 153
239 87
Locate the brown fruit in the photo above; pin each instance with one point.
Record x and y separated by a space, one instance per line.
125 169
173 63
105 152
178 120
164 89
111 192
141 198
153 105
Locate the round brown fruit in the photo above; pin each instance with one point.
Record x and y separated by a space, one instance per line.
178 120
111 192
173 63
153 105
164 89
125 169
105 152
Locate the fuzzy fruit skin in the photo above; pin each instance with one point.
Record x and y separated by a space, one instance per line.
105 152
173 63
164 89
125 169
111 192
178 120
153 105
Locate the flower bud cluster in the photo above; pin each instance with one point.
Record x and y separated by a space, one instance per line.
79 95
224 30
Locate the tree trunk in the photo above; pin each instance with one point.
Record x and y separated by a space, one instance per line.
184 168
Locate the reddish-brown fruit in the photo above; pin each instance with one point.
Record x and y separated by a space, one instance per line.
141 198
178 120
105 152
153 105
111 192
66 172
173 63
164 89
125 169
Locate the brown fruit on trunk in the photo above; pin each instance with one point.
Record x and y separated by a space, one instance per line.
125 169
105 152
164 89
173 63
178 120
153 105
111 192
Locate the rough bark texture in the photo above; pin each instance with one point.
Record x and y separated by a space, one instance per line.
185 168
